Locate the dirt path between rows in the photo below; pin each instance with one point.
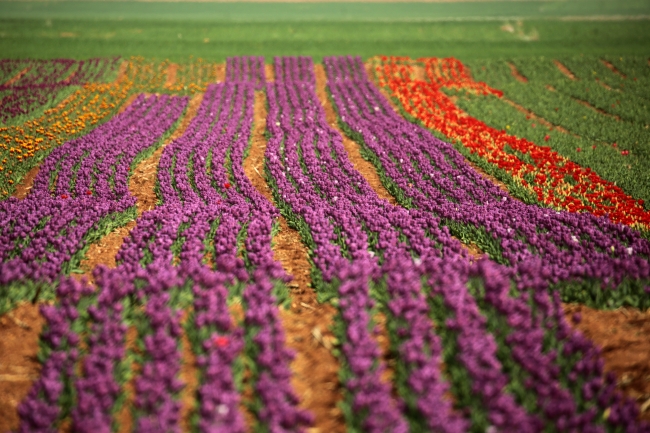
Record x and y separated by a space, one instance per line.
15 78
624 337
19 367
307 323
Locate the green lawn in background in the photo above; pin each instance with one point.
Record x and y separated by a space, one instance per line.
176 40
340 11
214 31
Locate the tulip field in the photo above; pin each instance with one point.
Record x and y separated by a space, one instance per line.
380 245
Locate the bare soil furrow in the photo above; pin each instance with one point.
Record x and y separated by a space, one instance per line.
307 323
19 367
566 71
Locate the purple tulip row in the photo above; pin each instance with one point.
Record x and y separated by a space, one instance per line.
80 186
555 375
157 407
433 177
419 348
246 70
100 384
209 242
41 410
344 221
350 93
348 225
207 204
218 344
305 175
583 368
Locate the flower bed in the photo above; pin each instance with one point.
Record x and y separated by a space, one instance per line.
185 333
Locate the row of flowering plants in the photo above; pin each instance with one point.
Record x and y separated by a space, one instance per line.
369 257
429 174
534 172
189 267
478 345
79 195
94 99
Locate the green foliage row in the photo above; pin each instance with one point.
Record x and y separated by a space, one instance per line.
617 150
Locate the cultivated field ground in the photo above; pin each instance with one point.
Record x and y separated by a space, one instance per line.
325 217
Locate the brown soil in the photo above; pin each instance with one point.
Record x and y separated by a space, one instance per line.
172 69
26 183
103 251
515 73
19 333
188 376
128 101
597 110
307 323
624 337
124 66
613 68
18 76
269 72
536 117
220 72
419 73
69 77
383 340
489 177
565 70
603 84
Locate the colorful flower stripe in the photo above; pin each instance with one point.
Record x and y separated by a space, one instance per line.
193 77
426 102
580 119
44 73
23 146
370 396
40 82
157 407
477 352
437 179
347 227
51 224
218 344
278 410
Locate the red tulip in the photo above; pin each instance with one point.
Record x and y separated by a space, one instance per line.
221 341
